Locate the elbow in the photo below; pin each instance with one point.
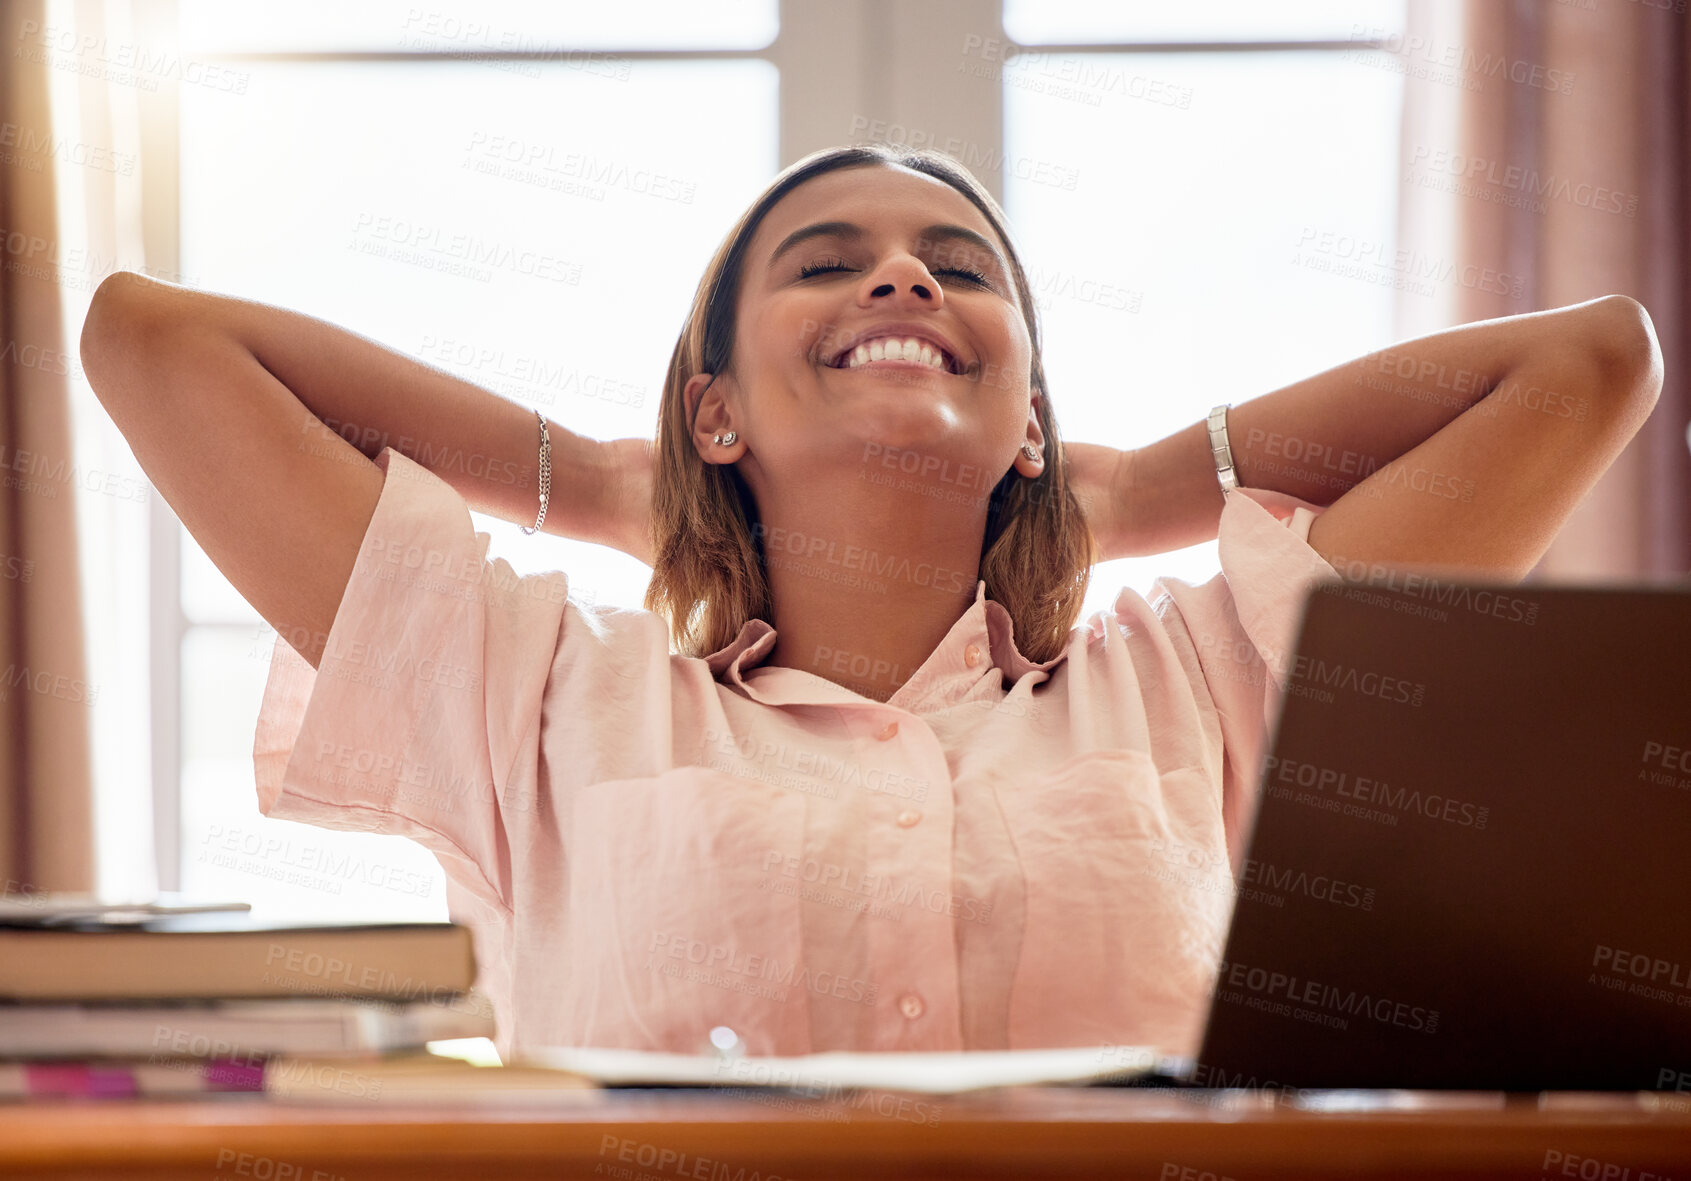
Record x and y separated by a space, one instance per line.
108 332
112 291
1627 356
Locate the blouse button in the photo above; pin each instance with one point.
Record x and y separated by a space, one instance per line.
911 1006
972 655
887 731
908 817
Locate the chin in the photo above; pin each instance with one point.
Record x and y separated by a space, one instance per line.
929 427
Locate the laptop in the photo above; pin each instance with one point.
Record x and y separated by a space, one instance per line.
1470 864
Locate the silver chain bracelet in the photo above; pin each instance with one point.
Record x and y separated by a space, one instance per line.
545 474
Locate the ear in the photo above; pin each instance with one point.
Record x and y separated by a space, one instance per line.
1032 468
715 417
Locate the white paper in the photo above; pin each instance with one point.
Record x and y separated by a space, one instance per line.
947 1073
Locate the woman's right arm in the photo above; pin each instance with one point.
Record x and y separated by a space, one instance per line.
224 402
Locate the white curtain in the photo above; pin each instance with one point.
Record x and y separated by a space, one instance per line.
97 111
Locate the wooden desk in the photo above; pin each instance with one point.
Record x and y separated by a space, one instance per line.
714 1136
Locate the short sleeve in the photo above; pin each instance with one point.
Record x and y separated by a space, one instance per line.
429 691
1243 624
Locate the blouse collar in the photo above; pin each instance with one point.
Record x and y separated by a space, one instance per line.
978 644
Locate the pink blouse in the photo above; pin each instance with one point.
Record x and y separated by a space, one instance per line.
1004 855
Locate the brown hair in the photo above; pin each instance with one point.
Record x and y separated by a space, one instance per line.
1036 556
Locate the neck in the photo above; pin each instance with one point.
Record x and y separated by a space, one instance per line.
865 586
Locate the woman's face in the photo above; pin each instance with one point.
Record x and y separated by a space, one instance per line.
799 416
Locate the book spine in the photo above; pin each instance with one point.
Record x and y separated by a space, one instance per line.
116 1080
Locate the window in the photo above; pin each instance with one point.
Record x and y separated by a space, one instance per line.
1160 162
535 223
1171 202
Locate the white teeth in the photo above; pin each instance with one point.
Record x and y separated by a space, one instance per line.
898 350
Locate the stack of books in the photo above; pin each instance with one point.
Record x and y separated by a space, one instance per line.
175 997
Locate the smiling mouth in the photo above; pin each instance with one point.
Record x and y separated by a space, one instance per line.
900 366
949 366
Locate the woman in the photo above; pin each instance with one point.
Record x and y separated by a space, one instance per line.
868 786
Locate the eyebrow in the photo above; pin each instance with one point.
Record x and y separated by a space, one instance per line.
846 229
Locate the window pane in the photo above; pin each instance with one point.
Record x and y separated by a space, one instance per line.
230 849
1033 22
540 236
207 596
484 26
223 670
294 872
1213 253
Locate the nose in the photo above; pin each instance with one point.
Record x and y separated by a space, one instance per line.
906 273
920 289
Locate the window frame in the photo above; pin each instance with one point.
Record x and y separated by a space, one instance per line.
841 80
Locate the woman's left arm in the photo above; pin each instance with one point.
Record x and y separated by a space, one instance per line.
1465 450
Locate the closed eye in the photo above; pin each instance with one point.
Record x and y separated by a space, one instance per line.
973 276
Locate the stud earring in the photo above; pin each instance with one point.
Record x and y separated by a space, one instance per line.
725 440
1027 450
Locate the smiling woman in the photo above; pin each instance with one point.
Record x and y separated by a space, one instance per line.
855 779
843 250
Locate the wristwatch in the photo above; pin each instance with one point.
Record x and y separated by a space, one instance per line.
1220 449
